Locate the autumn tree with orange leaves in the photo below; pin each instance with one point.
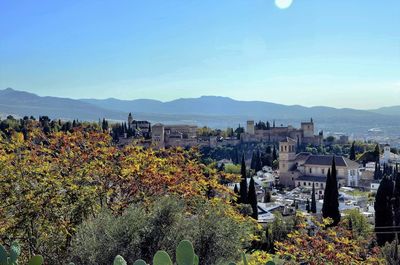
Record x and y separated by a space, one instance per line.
50 183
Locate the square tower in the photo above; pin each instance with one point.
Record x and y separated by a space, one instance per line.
250 127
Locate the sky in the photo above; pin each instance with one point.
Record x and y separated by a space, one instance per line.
340 53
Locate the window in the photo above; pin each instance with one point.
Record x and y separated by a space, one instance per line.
316 184
322 186
309 183
305 184
323 171
310 170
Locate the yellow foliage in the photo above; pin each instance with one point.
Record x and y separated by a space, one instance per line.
50 183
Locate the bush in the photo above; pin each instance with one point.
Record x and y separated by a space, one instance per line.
141 231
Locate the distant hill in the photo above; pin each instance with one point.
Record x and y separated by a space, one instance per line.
224 106
23 103
212 111
392 110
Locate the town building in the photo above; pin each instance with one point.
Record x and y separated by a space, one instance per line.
140 128
174 135
388 157
297 169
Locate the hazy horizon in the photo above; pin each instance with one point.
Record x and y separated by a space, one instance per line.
311 53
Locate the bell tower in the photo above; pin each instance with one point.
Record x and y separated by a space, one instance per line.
287 154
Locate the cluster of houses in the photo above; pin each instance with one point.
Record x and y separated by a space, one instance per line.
299 172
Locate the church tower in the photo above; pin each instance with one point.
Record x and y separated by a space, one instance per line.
287 156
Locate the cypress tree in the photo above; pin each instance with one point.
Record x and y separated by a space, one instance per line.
308 206
274 154
258 163
330 208
236 190
384 212
352 152
252 199
267 196
376 176
253 161
396 200
243 183
313 208
377 153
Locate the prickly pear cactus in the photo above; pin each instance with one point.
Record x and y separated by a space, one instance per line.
11 258
36 260
162 258
140 262
119 260
185 253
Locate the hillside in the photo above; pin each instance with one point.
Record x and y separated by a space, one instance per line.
22 103
212 111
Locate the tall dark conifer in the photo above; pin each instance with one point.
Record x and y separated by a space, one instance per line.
258 163
396 199
274 154
252 199
377 153
308 206
253 161
353 151
236 190
243 182
330 208
313 207
384 212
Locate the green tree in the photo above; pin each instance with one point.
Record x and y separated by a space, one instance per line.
313 207
252 198
330 208
142 230
352 152
384 212
377 153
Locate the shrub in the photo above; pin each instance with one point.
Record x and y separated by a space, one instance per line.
216 232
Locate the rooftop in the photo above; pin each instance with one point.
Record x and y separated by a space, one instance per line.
326 160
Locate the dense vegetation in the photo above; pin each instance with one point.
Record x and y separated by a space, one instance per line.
68 193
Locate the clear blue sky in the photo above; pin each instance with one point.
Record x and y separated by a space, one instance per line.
342 53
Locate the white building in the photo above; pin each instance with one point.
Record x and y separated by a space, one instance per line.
388 157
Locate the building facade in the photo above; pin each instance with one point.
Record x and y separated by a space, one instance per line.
303 135
305 166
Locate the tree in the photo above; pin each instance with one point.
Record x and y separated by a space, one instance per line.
313 207
384 212
267 196
330 208
319 244
258 164
377 153
353 152
274 154
50 183
252 199
141 230
243 183
236 190
377 172
308 206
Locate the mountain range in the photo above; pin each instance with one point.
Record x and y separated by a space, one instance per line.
213 111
